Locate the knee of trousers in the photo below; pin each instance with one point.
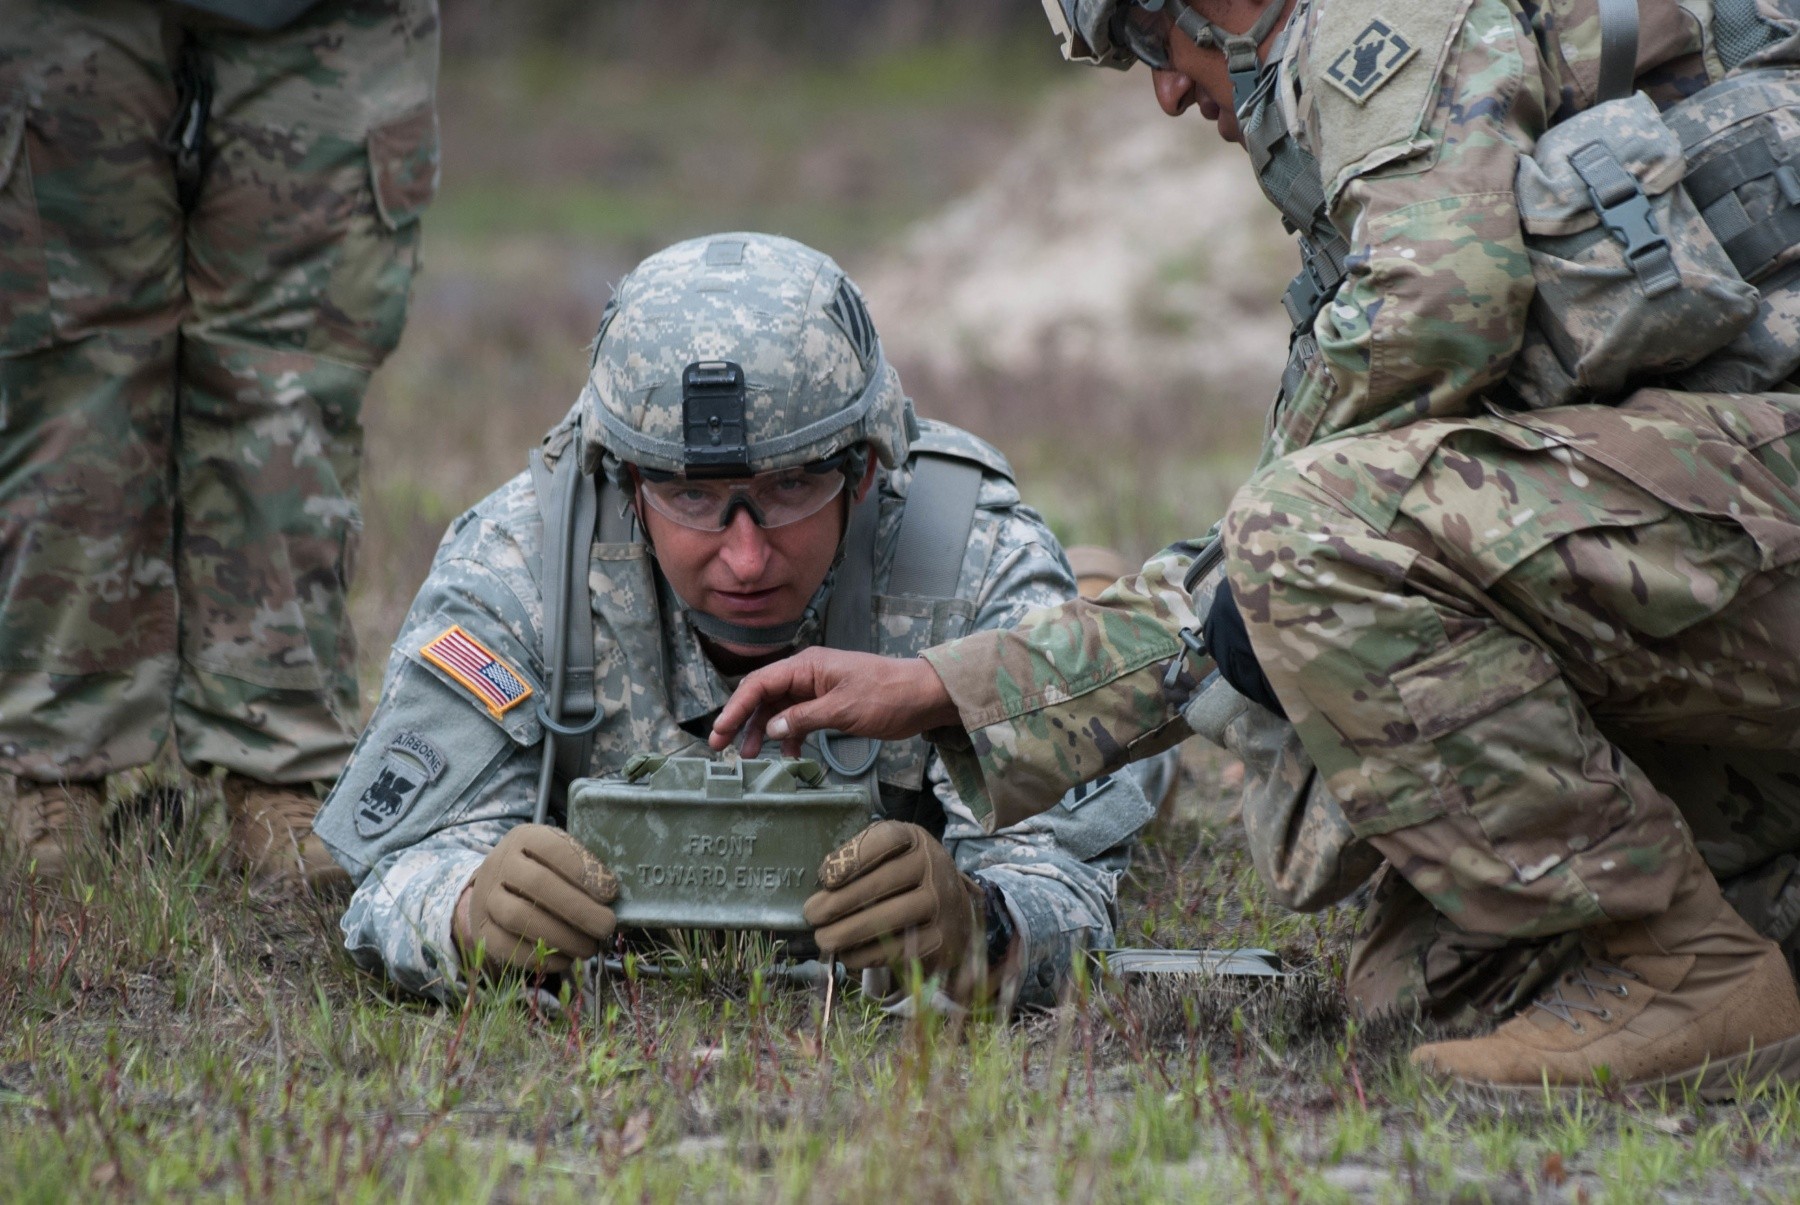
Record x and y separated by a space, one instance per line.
1270 539
1275 521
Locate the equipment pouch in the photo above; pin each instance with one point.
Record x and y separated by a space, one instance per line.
1632 284
1741 138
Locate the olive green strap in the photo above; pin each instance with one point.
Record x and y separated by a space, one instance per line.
934 531
850 625
928 560
1618 49
569 502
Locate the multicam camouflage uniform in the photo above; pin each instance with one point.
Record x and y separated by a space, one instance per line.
183 352
1058 872
1469 617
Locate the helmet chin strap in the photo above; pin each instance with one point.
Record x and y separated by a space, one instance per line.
1241 59
775 636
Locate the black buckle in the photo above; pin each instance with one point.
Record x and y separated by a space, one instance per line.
713 400
1625 212
1307 293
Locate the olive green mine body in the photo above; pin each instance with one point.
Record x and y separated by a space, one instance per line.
703 844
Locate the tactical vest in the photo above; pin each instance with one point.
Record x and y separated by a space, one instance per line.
1289 177
930 587
1665 247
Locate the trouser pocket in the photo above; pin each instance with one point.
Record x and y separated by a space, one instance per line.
24 278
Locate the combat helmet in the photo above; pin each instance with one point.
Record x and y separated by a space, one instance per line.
1111 33
737 354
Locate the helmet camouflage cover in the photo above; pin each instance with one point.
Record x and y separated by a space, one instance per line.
1085 27
815 380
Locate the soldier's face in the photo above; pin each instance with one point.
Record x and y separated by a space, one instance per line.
748 574
1196 76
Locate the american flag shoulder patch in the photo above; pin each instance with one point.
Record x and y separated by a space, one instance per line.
498 685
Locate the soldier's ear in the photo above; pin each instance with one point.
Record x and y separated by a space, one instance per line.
868 480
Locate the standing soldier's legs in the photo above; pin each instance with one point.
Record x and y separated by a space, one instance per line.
322 153
90 303
1450 615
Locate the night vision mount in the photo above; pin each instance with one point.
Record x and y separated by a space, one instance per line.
714 426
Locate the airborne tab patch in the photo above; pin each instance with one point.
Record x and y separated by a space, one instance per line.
410 763
1375 56
498 685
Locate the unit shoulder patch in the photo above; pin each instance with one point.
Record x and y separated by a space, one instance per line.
409 764
1374 57
499 686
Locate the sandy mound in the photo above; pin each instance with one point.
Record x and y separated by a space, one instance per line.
1112 243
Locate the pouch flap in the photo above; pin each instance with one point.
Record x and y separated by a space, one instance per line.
12 141
1553 197
403 165
1095 816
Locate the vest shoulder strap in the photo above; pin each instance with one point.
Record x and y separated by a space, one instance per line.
935 526
571 503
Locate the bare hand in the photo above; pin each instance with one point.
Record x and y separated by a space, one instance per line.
886 698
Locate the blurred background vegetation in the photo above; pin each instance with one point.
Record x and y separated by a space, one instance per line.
579 137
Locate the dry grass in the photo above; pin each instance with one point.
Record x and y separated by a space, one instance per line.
165 1032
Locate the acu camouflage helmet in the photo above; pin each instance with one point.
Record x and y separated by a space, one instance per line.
813 378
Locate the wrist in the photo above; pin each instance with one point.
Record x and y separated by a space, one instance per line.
462 927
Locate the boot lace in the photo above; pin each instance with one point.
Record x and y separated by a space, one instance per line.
1563 1006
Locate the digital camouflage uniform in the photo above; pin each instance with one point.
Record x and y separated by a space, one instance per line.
1057 872
1470 613
183 354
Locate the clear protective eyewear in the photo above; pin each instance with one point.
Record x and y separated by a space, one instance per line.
774 499
1142 27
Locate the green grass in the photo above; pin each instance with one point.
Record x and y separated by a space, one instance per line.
167 1032
839 155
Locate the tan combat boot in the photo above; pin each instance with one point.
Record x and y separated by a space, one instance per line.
50 821
1693 997
272 837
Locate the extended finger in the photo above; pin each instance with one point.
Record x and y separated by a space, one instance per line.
758 688
792 725
887 922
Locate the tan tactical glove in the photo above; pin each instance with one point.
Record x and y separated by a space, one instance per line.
892 892
539 884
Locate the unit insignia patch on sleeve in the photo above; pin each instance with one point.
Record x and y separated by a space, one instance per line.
1375 56
409 764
